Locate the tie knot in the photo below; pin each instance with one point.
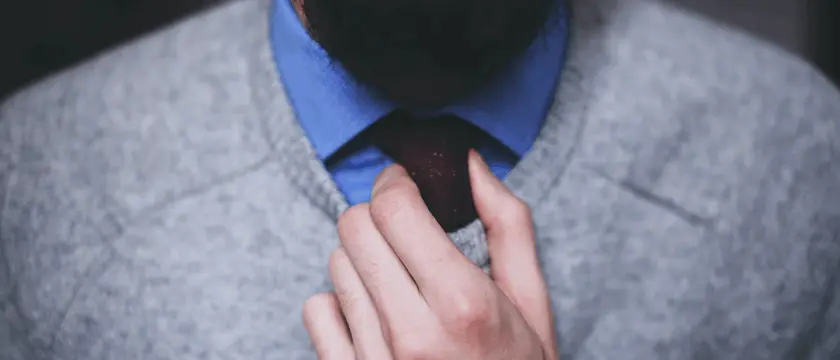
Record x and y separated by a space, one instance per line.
434 151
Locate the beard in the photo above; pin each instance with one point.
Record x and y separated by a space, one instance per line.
426 53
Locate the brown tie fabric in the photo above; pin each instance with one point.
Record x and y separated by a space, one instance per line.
434 151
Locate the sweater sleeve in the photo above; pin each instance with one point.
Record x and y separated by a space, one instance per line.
816 206
13 343
822 341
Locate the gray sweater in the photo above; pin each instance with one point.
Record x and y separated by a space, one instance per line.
161 202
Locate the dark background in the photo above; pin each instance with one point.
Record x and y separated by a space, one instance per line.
38 37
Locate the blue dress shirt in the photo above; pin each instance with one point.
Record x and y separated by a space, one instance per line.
332 108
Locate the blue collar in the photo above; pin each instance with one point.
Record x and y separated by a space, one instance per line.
332 108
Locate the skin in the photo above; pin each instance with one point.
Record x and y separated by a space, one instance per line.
404 291
298 4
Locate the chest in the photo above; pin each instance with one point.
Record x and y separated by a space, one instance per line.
224 274
632 272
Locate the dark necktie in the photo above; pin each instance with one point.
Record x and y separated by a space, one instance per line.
434 151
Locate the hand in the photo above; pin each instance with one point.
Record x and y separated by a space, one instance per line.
404 291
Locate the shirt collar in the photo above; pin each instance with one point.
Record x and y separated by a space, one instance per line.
333 108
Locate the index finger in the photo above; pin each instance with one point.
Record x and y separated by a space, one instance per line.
401 216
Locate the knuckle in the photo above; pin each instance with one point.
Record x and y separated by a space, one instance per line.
517 212
411 347
521 210
348 302
469 313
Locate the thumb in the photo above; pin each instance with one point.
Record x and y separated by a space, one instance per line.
510 237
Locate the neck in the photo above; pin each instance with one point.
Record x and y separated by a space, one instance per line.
298 4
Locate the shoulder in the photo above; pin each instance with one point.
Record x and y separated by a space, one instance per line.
86 151
725 126
138 71
692 56
186 59
707 116
730 127
145 115
736 132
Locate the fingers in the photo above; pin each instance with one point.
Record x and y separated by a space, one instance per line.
510 237
390 286
437 266
358 309
325 323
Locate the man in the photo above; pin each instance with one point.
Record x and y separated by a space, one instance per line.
179 197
